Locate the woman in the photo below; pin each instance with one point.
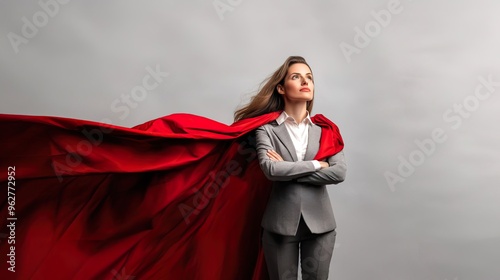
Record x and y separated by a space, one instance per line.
299 213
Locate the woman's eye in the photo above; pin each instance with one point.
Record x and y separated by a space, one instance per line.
295 77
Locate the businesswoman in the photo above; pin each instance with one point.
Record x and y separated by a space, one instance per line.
299 213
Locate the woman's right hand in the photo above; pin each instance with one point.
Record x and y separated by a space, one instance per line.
274 156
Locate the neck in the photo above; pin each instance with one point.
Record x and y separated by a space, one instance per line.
298 111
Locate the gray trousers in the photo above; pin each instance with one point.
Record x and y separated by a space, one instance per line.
282 253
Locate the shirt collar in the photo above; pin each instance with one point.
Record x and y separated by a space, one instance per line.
284 116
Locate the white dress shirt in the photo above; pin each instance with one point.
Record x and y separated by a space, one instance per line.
299 132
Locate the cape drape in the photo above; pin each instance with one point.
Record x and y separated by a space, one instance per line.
179 197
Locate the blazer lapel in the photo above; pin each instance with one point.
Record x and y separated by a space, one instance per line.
314 136
282 133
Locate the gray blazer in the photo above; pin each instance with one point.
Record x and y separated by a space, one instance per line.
298 188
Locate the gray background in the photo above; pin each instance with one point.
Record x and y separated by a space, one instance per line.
442 222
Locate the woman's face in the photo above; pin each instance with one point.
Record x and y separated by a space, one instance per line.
298 85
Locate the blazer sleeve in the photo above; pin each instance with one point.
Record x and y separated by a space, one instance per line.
278 170
333 174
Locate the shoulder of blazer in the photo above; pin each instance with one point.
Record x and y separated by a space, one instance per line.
315 125
269 125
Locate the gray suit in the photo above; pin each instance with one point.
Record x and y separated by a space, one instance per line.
299 208
298 188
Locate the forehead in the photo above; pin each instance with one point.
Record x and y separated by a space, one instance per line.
299 68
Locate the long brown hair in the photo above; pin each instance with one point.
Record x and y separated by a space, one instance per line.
268 99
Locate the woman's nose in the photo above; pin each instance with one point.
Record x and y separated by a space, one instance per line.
304 81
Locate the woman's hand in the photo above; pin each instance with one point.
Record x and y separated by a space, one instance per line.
274 156
324 164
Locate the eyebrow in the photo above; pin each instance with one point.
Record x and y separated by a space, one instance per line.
299 73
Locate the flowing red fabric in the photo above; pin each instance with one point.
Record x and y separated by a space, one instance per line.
179 197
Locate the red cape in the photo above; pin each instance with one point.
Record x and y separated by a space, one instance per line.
179 197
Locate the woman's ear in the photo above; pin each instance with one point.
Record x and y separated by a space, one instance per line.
280 89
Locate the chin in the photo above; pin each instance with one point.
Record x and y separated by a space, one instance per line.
301 96
307 96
